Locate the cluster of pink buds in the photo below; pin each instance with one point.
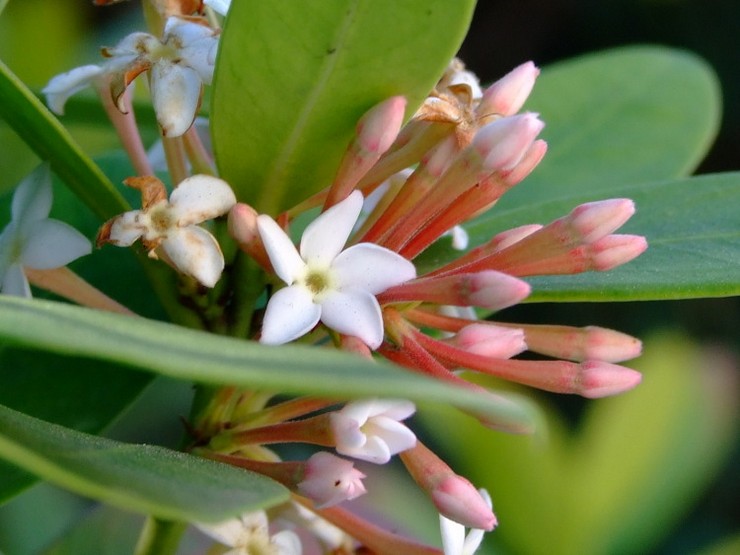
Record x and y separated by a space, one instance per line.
463 149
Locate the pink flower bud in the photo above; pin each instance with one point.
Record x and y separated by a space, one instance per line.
495 290
609 345
615 250
242 224
503 142
595 220
490 340
380 125
457 499
328 480
602 379
507 95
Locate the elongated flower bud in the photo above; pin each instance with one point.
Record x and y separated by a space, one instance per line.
507 95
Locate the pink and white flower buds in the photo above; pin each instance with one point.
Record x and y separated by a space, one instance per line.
594 220
507 95
379 127
329 480
457 499
371 430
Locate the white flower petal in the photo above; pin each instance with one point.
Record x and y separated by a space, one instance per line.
64 85
372 268
221 6
286 261
453 536
397 436
14 282
228 532
200 198
126 229
287 543
52 244
32 198
325 237
195 253
176 94
354 312
290 314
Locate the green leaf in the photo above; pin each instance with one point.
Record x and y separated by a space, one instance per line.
85 398
293 78
143 478
3 3
692 230
197 356
620 117
51 141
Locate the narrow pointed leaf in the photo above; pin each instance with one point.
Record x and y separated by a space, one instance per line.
293 78
36 125
197 356
619 117
143 478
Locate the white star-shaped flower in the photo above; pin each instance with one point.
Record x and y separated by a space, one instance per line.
371 430
169 228
454 540
326 283
250 534
32 239
180 64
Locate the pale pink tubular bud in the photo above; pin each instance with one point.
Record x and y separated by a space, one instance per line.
514 235
527 164
454 496
602 379
329 480
380 125
507 95
504 142
242 224
615 250
589 343
490 340
595 220
495 290
457 499
486 289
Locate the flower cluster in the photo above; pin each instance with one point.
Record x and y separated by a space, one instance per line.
399 189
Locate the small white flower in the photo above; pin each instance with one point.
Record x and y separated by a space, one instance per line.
32 239
371 430
180 64
169 227
325 283
329 480
220 6
249 534
454 540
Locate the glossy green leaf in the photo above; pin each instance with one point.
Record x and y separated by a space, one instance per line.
620 117
293 78
637 463
693 232
33 122
212 359
143 478
3 3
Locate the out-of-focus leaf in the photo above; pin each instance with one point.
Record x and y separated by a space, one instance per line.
70 391
693 231
143 478
620 117
51 141
212 359
293 78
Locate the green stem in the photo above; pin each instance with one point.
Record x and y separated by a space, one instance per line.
159 537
